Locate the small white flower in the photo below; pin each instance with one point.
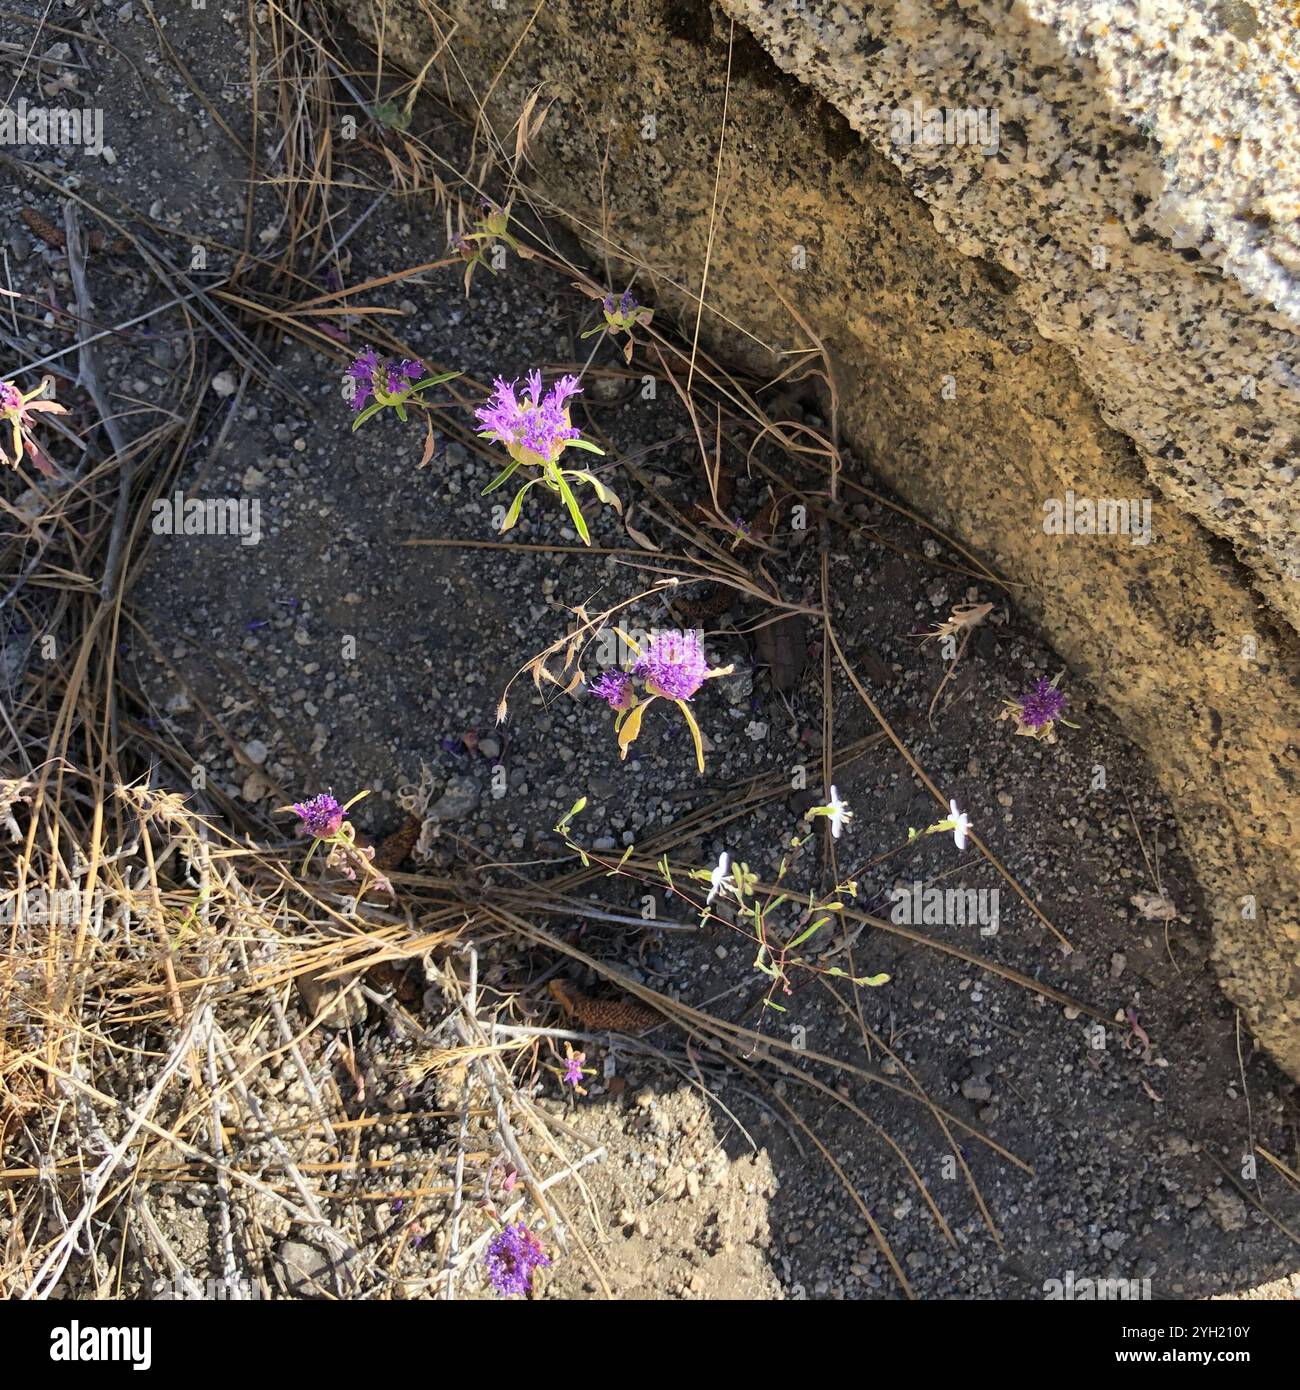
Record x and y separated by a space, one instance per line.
719 879
960 825
838 812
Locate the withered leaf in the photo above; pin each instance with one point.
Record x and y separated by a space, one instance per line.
782 647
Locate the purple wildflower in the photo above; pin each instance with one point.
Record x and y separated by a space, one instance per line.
620 306
539 424
673 664
11 398
615 688
573 1065
362 374
512 1255
321 817
368 369
409 368
1041 705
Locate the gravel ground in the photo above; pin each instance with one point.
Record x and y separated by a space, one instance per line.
339 652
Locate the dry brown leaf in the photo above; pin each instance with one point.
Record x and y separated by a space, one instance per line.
782 647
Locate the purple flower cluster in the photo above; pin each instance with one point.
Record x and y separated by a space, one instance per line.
622 306
11 398
673 664
394 375
538 423
321 817
615 688
512 1256
1041 705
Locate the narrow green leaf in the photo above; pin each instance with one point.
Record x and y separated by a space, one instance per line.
501 477
516 507
372 409
804 935
575 511
695 733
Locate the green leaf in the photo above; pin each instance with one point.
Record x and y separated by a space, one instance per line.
577 807
501 477
516 506
575 511
804 935
768 1004
605 495
372 409
584 444
435 380
695 733
390 114
872 980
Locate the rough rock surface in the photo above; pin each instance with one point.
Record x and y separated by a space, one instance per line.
1146 197
991 361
